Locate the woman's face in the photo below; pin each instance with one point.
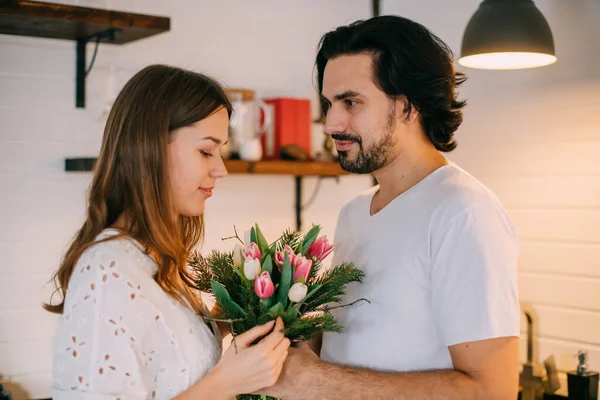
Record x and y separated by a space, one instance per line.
194 162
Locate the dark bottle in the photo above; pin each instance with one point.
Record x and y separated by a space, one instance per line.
583 384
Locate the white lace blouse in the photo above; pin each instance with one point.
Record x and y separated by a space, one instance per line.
121 336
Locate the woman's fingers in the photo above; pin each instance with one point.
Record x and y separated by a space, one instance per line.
244 339
282 346
274 337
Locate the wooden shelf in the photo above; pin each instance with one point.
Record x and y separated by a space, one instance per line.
275 167
278 167
81 24
297 169
61 21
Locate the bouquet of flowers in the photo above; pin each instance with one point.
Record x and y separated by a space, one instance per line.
259 281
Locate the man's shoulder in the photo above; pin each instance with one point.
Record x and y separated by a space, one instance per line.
461 191
466 200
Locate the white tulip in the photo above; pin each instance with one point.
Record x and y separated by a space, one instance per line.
247 240
252 268
297 292
238 259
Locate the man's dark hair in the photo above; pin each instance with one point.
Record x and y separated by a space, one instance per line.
408 60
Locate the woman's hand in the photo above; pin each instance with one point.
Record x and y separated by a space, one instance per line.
245 368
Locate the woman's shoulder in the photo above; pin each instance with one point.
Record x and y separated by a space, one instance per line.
113 262
113 250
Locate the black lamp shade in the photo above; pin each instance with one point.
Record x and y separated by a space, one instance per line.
507 34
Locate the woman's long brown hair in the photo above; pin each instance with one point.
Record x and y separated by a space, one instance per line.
130 181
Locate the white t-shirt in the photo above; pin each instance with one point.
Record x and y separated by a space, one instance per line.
440 265
121 336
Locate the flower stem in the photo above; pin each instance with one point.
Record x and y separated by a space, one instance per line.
236 236
348 305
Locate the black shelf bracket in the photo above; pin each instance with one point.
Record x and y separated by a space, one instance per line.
298 204
375 7
81 65
80 164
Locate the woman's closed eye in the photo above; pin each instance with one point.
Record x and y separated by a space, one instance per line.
206 153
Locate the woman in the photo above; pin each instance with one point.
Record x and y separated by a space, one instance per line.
130 325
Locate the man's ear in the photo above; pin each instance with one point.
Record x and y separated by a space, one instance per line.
413 115
409 114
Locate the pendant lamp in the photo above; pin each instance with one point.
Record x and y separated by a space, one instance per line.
507 34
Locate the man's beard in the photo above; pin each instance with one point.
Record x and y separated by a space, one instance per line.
372 158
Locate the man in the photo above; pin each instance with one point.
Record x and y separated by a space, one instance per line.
438 250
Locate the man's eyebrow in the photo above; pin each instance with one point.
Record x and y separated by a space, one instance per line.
346 94
341 96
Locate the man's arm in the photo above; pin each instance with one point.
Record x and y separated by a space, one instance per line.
486 369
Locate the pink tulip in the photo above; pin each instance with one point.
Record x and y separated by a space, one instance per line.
303 266
263 285
279 256
320 248
252 251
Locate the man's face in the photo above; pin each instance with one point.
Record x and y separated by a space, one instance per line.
361 119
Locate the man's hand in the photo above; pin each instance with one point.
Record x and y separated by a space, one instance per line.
299 366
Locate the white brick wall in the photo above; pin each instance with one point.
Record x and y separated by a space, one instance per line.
539 121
